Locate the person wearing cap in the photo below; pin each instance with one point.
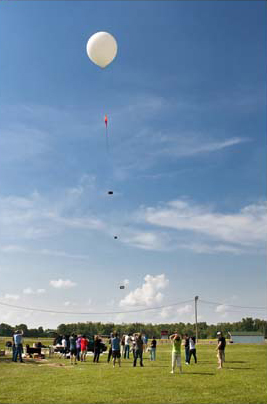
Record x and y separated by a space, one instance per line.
220 349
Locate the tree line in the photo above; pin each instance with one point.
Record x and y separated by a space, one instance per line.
205 331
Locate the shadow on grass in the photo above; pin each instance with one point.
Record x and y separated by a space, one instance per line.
200 373
25 362
239 368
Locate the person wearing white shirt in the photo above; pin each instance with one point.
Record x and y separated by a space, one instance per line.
192 348
64 344
127 346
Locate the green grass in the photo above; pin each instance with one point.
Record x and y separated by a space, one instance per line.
243 380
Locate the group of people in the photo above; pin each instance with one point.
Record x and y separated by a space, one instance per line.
77 347
137 344
190 349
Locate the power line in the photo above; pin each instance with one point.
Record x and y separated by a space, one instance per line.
129 311
232 305
93 313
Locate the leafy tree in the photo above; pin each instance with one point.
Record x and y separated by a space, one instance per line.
6 330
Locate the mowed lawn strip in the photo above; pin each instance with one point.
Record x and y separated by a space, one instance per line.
243 380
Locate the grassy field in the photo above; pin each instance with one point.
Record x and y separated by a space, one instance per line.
243 380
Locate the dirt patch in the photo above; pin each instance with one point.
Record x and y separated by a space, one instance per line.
53 365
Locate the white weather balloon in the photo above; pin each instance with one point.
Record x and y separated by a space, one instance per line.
102 48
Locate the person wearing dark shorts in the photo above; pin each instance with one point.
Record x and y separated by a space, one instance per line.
73 350
116 352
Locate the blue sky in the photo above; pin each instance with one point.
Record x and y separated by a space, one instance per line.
186 102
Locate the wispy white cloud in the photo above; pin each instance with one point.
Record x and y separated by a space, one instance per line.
176 224
145 240
166 312
11 249
172 313
62 284
149 147
10 296
143 148
30 291
222 309
245 228
191 144
37 216
149 293
70 304
40 291
212 248
185 309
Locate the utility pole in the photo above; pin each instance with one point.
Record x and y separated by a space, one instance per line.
196 299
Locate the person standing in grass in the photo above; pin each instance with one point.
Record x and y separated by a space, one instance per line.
133 340
153 346
127 346
138 353
18 337
110 347
122 345
84 343
192 349
220 349
64 344
13 349
186 348
145 341
116 353
78 346
176 351
73 350
97 342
